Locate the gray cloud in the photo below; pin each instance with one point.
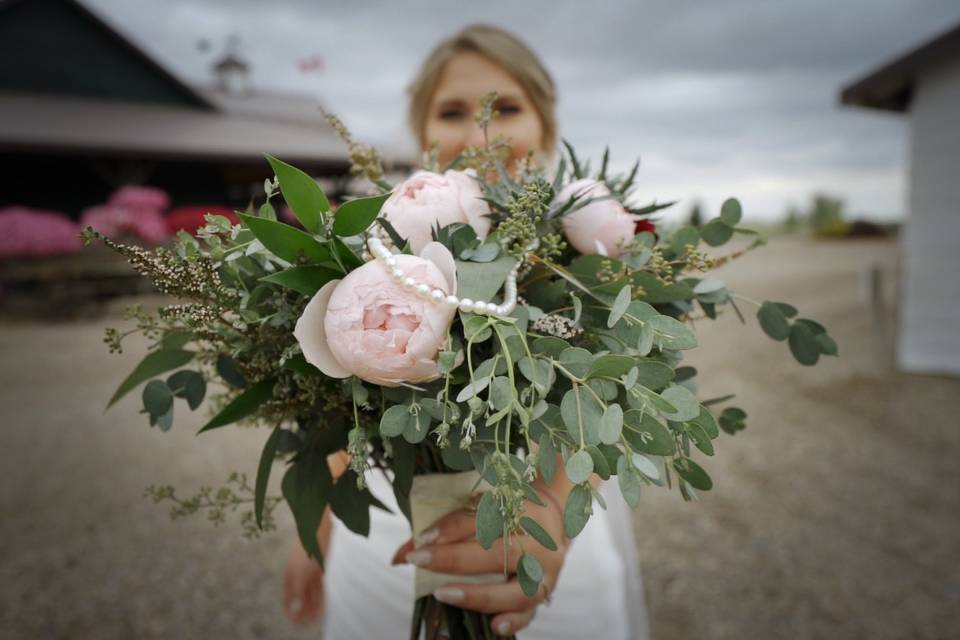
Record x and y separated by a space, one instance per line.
717 98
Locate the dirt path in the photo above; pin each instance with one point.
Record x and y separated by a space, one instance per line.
835 515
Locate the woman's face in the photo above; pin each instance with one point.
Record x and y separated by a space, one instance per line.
450 123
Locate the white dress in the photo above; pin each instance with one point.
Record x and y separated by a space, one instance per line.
367 598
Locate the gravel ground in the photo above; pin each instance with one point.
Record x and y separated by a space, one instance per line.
834 515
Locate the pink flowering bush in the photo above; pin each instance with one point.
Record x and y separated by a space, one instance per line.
35 233
131 211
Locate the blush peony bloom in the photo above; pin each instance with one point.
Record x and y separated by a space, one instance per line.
369 326
426 200
602 227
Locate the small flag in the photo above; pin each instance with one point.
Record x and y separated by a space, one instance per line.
312 64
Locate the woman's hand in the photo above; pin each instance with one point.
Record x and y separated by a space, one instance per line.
302 586
303 576
450 546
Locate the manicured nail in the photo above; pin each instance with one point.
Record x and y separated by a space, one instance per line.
295 605
448 595
503 628
420 557
428 536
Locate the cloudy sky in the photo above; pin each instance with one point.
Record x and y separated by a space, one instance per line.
717 98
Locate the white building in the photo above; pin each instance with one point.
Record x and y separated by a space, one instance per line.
924 84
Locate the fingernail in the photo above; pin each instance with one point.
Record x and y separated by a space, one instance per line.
428 536
448 595
503 628
420 557
295 605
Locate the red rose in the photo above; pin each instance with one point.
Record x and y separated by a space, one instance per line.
644 225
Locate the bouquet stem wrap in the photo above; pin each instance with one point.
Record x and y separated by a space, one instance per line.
432 496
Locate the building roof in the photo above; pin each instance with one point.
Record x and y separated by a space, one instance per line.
82 86
890 86
38 122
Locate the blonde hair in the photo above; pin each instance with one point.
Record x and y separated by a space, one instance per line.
506 51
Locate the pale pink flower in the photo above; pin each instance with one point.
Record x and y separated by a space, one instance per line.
428 200
369 326
601 227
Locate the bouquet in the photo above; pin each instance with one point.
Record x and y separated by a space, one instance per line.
467 332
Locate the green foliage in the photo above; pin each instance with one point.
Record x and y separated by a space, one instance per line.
304 279
286 242
242 406
263 474
302 193
355 216
587 373
153 364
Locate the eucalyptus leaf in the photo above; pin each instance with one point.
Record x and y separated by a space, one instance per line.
189 385
393 422
773 321
716 232
646 466
731 212
577 510
619 306
687 407
152 365
693 473
611 424
490 521
538 533
803 345
229 370
579 467
628 481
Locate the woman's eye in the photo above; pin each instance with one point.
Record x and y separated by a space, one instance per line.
451 114
508 109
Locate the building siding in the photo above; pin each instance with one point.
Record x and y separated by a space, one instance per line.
929 339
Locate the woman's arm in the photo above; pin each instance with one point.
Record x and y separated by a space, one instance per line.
303 577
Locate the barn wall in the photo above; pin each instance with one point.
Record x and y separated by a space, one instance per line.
929 339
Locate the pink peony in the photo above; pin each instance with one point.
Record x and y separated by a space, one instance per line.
34 233
427 200
602 227
369 326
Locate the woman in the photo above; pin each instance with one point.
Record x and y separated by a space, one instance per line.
600 582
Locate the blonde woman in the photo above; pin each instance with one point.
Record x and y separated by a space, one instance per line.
368 586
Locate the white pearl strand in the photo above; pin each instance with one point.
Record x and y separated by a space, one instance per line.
439 296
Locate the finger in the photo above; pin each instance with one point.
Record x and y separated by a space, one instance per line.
312 601
488 598
507 624
399 554
454 527
466 558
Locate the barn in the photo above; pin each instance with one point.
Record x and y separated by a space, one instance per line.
84 110
924 86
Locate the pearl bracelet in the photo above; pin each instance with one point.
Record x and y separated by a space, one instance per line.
380 251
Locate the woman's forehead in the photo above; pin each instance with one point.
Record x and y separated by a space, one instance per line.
469 76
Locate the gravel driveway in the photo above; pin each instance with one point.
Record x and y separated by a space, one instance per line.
835 514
